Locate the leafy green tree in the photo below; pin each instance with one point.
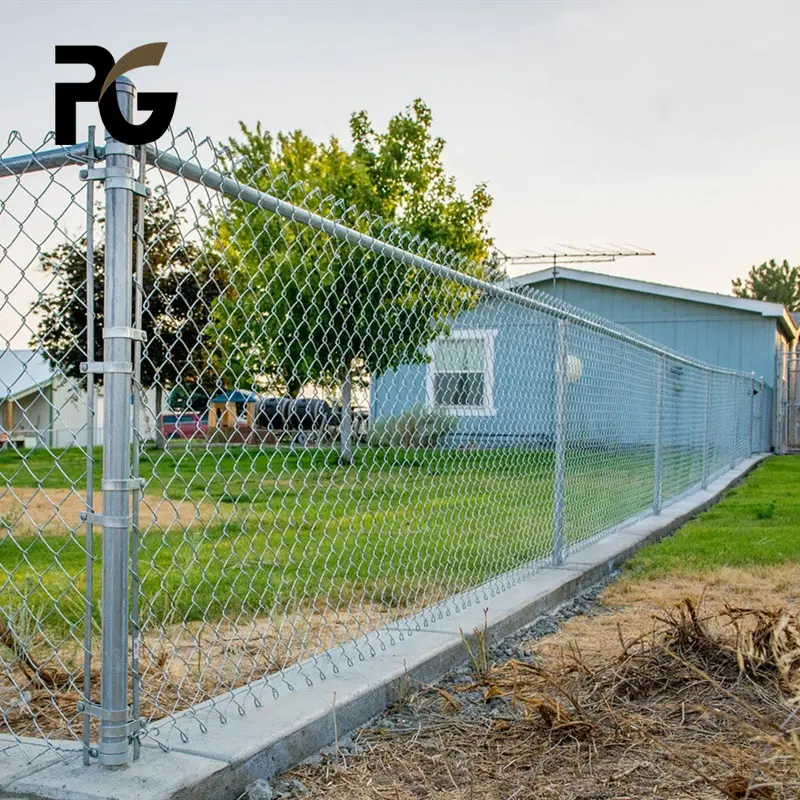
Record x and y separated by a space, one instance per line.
777 283
305 307
179 288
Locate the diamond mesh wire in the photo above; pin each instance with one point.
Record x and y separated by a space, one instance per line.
344 433
46 434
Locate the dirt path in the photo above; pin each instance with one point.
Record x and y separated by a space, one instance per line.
23 512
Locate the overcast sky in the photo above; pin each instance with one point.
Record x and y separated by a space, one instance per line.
673 124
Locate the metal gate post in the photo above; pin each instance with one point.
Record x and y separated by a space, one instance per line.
120 184
707 431
659 444
560 441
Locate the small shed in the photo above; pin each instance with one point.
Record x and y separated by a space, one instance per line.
233 409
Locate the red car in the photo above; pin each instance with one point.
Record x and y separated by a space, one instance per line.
184 425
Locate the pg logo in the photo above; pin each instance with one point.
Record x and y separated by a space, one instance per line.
107 70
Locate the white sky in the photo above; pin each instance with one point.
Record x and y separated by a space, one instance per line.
671 124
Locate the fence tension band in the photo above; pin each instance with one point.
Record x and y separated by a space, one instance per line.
122 485
101 367
115 178
125 726
93 518
125 333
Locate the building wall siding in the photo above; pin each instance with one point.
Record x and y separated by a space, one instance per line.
730 338
615 398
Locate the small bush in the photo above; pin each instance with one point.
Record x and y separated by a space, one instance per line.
421 426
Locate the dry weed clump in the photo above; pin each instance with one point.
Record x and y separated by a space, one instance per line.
179 665
700 706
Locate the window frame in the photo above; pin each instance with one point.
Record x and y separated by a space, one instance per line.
487 408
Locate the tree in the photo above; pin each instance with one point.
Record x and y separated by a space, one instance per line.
777 283
180 286
304 307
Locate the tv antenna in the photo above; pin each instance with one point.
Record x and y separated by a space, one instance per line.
574 255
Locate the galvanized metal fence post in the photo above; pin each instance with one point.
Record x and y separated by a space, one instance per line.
120 184
753 414
561 365
136 421
90 425
113 748
659 443
706 432
735 426
777 401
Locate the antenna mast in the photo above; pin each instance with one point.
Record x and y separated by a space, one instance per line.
573 255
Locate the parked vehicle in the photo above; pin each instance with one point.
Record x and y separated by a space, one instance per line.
183 425
290 414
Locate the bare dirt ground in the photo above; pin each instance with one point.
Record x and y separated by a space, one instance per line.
57 511
674 688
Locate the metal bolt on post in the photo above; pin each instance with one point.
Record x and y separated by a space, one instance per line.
561 364
659 443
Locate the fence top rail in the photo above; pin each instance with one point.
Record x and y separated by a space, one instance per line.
234 189
42 160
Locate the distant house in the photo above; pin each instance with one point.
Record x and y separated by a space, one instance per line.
495 371
42 407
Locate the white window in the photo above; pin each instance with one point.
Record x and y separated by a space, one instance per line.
461 373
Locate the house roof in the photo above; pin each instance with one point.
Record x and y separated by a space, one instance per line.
23 371
785 320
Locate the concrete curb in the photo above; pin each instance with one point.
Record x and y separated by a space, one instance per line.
221 763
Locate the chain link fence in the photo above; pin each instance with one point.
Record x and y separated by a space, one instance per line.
253 436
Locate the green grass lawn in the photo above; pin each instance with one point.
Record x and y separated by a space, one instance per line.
291 525
756 524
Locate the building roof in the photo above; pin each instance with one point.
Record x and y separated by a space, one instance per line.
23 371
762 307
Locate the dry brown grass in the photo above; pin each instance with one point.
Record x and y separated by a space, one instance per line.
679 699
180 665
28 512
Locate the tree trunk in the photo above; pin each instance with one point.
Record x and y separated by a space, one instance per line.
161 442
346 421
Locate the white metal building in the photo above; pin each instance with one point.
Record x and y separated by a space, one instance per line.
42 407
